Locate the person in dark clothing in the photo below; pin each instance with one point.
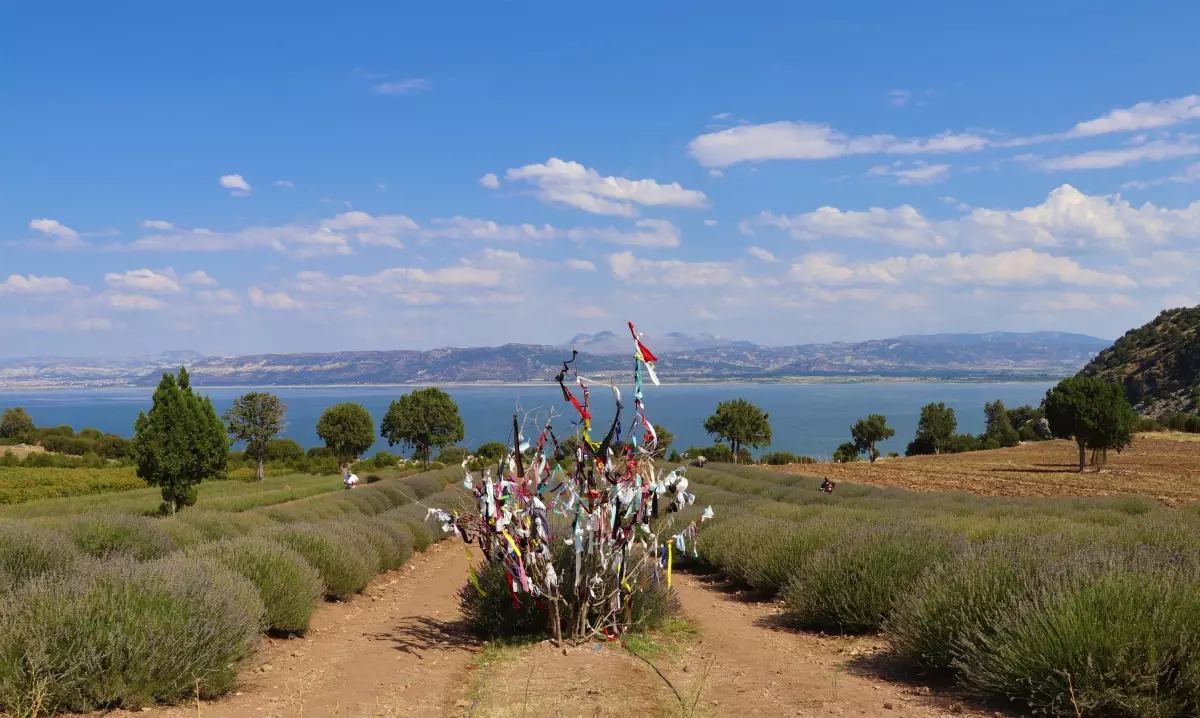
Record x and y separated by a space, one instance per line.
827 486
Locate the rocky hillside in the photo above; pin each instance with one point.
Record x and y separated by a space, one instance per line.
1158 364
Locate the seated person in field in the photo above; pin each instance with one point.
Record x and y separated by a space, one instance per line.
350 480
827 486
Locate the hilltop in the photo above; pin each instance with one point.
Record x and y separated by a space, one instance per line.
682 358
1157 363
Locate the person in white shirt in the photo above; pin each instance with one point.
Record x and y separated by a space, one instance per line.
350 480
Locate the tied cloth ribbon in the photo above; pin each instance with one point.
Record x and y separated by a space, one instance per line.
471 571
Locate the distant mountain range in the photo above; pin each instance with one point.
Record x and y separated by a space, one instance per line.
682 358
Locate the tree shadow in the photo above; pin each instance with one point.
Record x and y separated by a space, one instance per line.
416 634
937 692
735 590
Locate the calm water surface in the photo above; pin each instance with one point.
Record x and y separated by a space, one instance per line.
810 419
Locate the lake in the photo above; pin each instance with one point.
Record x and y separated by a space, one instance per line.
807 419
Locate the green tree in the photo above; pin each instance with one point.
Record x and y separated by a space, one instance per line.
347 430
846 453
180 443
256 418
998 425
741 424
15 423
937 424
665 439
422 421
1094 413
493 451
868 432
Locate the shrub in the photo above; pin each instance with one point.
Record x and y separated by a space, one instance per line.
106 535
216 525
27 552
1112 640
368 541
492 612
398 533
452 455
343 569
289 587
851 585
284 450
127 634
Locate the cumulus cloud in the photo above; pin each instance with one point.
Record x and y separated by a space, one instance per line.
1142 116
672 272
1067 218
275 300
402 87
1017 268
761 254
580 265
490 180
53 228
146 280
199 278
237 185
155 224
34 284
571 184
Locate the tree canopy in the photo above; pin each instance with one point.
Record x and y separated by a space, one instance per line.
422 421
868 432
1092 411
347 430
934 430
846 453
999 426
256 418
665 439
180 443
741 423
15 423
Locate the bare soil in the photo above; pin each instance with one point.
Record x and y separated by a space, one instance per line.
1159 466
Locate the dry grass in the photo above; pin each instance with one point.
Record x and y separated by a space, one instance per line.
1160 466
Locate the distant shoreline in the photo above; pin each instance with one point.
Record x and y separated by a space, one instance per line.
518 384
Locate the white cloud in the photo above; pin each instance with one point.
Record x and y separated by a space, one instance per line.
1154 151
490 180
34 284
919 173
1017 268
722 116
710 223
1142 116
1067 218
573 185
146 280
761 254
402 87
155 224
136 302
716 173
809 141
580 264
286 184
1175 301
276 300
1191 174
199 278
54 228
239 187
672 272
899 98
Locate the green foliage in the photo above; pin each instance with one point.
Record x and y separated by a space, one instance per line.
998 425
45 476
493 451
128 635
741 424
289 587
15 423
180 442
347 430
27 552
255 418
781 458
343 568
665 439
846 453
1093 412
936 426
423 420
675 458
868 432
109 535
718 453
851 585
284 450
453 455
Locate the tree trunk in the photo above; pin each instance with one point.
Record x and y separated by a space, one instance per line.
258 474
871 452
734 446
1082 457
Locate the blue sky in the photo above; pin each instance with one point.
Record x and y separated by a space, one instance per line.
253 177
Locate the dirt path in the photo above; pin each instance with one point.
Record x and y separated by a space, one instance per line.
396 650
758 668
